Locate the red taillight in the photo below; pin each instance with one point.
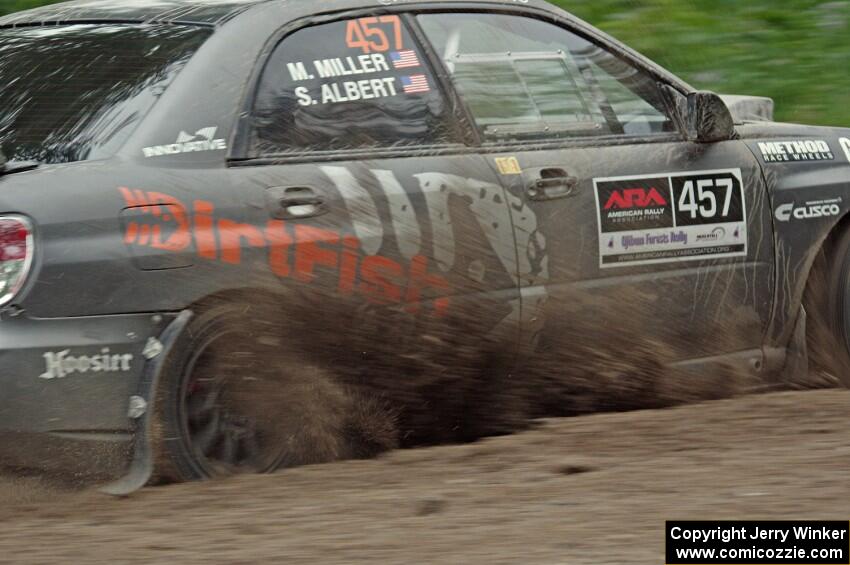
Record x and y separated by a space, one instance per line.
16 254
13 240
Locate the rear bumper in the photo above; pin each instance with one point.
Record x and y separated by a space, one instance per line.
66 387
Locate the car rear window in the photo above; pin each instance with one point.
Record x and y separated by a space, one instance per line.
76 92
350 85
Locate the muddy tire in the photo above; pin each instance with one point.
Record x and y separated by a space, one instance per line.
827 304
236 398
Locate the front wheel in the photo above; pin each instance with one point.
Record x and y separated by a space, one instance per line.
827 304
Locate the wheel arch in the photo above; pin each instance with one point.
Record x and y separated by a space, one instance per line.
816 260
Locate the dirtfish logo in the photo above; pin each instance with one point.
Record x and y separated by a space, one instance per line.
203 140
60 365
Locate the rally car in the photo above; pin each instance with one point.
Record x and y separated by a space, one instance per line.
194 192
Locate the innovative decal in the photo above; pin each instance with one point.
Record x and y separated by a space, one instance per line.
810 210
796 151
203 140
646 220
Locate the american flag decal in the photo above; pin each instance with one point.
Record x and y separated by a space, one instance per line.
415 84
404 59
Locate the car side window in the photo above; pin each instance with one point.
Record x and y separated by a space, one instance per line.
349 85
525 78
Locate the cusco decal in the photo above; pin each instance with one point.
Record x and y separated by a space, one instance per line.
666 218
295 250
810 210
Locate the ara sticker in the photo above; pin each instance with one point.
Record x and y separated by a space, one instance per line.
645 220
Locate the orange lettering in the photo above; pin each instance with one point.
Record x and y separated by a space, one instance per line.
354 37
182 236
378 273
132 233
205 230
348 264
279 242
308 252
231 235
396 23
134 198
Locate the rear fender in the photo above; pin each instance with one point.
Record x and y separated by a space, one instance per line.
141 466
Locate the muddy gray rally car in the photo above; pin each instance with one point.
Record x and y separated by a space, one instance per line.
213 211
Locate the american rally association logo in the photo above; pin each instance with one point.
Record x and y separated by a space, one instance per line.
631 198
634 204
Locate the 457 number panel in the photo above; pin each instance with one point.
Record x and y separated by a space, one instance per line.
671 217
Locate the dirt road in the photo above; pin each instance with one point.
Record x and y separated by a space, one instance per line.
594 489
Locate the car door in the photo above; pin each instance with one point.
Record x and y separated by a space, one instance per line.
632 238
357 172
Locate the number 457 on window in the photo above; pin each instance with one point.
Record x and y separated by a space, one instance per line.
370 34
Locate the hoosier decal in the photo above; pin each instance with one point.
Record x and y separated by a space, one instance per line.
59 365
676 217
795 151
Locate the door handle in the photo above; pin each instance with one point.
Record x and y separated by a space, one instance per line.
294 202
552 184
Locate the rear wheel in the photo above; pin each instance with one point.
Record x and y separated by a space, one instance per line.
827 305
226 404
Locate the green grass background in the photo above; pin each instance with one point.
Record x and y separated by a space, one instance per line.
795 51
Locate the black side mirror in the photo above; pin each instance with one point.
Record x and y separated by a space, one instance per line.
708 118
